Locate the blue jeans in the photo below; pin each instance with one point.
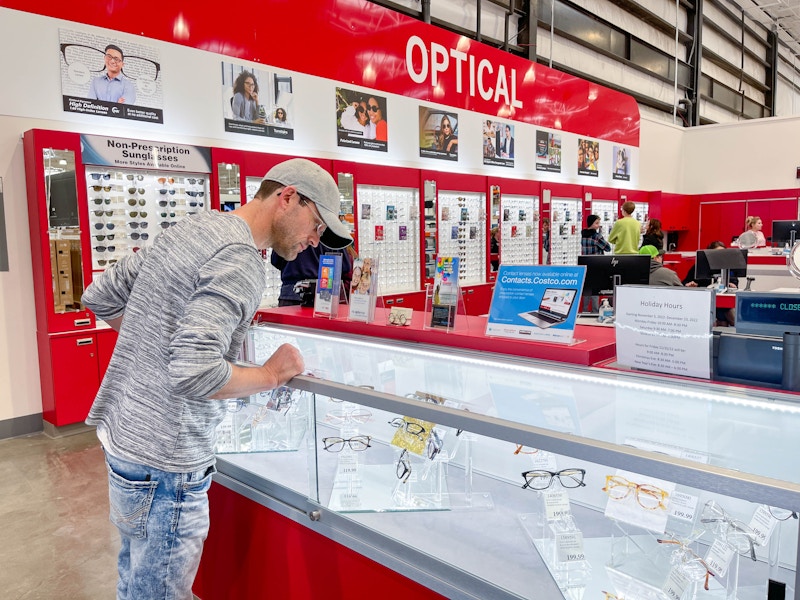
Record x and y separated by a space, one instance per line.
163 521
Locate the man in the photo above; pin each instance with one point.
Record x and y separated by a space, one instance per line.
113 86
592 241
626 231
505 145
659 274
182 308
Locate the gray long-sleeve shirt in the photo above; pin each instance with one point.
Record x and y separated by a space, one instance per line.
187 303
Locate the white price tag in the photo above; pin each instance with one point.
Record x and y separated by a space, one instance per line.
556 504
544 460
676 583
569 546
350 500
719 557
763 524
683 506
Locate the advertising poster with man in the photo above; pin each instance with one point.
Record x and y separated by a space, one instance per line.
361 120
438 134
257 102
548 151
498 144
110 77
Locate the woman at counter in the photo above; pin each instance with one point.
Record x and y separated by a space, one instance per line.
754 225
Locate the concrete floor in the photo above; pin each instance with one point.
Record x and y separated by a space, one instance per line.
55 537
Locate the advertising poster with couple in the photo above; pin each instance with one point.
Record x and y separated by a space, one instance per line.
257 102
109 77
361 120
498 144
438 134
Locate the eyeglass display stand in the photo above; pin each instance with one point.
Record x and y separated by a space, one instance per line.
469 499
425 488
447 317
253 425
554 533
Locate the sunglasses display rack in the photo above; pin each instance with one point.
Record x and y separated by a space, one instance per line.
608 213
519 237
462 233
654 500
129 208
388 229
565 231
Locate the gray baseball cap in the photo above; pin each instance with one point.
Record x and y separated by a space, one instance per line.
316 184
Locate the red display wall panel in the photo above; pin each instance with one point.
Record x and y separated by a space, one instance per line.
254 553
721 221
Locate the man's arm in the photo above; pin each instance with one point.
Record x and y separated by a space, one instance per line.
284 364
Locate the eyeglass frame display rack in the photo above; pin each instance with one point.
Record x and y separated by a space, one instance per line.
449 579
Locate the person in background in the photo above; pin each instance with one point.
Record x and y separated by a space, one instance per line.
659 274
592 241
306 267
625 232
545 241
113 86
754 225
653 236
494 248
377 116
245 99
182 307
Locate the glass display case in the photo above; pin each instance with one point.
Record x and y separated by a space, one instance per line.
505 478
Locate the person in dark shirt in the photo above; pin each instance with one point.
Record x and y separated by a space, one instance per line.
304 267
592 241
725 316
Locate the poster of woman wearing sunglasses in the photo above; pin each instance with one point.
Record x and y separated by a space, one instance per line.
438 134
361 120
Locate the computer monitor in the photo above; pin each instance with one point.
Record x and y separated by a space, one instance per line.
605 271
785 232
726 262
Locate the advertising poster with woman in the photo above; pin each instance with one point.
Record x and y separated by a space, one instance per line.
438 134
588 157
622 163
361 120
257 102
498 144
548 151
110 77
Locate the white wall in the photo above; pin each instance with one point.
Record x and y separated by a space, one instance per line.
718 158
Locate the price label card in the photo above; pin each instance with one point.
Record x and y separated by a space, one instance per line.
676 583
719 557
556 504
569 546
544 460
763 524
350 500
683 506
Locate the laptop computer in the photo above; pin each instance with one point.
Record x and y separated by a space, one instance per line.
553 309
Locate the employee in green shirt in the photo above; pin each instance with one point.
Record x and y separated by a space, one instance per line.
625 232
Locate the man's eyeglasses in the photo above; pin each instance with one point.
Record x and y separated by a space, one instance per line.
358 443
410 427
320 227
541 480
113 59
136 67
648 496
403 470
373 108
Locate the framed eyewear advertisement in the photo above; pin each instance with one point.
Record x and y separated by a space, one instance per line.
110 77
622 163
438 134
257 102
498 144
361 120
588 157
548 151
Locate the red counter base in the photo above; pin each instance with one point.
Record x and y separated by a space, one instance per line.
596 343
254 553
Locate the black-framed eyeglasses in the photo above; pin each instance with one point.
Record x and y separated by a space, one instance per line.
410 427
98 176
136 235
373 108
357 443
539 479
114 59
105 248
136 67
403 469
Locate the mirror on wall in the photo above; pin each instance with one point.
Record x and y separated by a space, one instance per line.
230 191
61 195
430 228
346 198
494 230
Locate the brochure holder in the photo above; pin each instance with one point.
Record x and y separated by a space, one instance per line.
363 290
329 286
447 317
